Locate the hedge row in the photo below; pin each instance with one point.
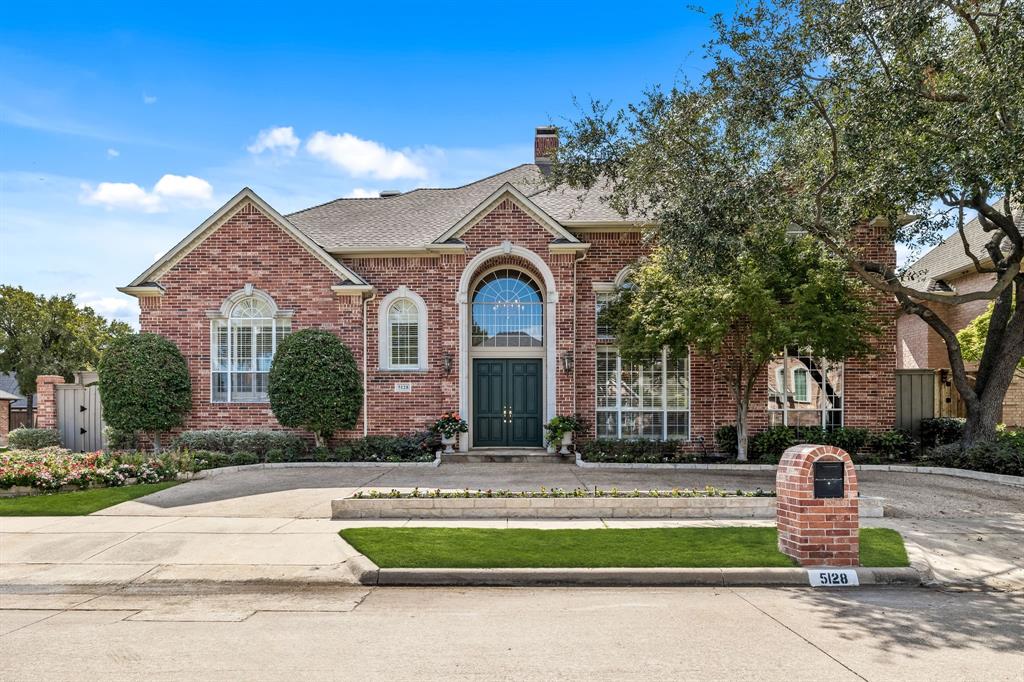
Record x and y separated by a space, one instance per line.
767 446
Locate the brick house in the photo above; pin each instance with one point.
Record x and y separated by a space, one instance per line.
481 298
948 269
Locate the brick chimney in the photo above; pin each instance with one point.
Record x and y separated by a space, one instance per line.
545 142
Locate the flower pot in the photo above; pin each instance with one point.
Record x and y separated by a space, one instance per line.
566 442
448 442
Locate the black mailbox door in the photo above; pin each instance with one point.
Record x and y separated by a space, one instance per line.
828 479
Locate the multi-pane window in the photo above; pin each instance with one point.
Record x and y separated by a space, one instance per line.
404 334
242 348
603 328
642 400
508 311
805 391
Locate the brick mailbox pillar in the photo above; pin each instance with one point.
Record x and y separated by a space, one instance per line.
817 510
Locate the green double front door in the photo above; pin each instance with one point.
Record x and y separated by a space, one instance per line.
507 403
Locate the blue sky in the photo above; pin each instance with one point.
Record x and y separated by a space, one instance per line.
123 126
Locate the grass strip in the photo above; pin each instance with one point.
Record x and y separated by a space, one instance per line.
595 548
77 503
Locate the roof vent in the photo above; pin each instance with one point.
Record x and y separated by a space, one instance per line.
385 193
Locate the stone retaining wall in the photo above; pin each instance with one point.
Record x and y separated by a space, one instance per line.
569 507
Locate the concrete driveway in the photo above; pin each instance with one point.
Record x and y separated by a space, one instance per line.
307 492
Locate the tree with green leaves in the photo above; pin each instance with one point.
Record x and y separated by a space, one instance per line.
50 335
315 384
144 385
837 116
972 338
777 292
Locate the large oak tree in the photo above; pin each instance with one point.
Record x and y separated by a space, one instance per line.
831 115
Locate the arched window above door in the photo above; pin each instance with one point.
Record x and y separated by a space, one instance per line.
507 311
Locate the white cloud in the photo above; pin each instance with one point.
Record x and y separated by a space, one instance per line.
124 308
281 139
363 158
113 195
128 195
113 153
187 187
360 193
148 99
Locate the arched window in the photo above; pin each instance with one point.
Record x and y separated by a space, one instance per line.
508 311
243 341
403 331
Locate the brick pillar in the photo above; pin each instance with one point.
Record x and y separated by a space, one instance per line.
46 410
5 420
816 531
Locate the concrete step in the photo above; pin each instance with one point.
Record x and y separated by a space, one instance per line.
531 456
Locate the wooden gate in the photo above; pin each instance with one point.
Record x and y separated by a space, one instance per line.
915 398
80 417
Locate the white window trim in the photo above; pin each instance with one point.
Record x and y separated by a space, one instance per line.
822 409
384 330
665 411
223 315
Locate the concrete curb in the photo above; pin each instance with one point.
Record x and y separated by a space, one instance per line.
1002 479
627 577
210 473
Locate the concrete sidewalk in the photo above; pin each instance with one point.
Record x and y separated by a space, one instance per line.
139 550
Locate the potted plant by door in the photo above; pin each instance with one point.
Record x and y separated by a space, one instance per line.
449 426
560 430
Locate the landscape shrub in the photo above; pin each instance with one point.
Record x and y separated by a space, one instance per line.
286 447
940 431
727 440
33 439
144 385
893 445
415 447
640 451
315 384
1001 456
768 445
120 440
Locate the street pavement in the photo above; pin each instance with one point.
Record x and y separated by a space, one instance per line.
518 633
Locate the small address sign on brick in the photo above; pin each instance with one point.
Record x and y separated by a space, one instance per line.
403 387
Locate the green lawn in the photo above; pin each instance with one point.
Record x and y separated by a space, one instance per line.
76 503
605 548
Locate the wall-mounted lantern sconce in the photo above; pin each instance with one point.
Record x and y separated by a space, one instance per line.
448 361
567 361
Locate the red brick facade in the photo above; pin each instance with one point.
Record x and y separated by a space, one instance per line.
249 247
46 398
816 531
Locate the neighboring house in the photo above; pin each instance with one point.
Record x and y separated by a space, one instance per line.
18 409
481 298
948 268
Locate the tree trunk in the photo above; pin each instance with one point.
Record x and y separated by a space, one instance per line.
30 419
156 441
319 440
983 412
742 437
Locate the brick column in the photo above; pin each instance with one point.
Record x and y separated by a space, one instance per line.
816 531
46 410
5 420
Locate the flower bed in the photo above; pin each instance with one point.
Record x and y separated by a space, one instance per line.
53 468
544 493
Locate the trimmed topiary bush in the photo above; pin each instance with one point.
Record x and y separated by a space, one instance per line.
315 384
286 447
32 439
144 385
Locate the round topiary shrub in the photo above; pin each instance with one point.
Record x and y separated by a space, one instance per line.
144 385
314 384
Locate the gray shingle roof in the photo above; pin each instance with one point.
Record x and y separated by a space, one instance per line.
9 384
420 216
948 258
